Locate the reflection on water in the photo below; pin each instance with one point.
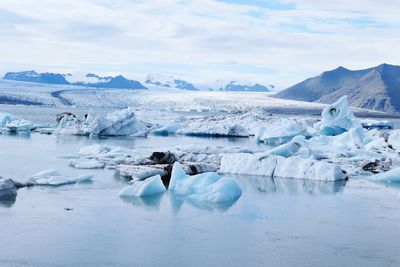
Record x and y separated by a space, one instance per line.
249 185
7 200
175 202
289 186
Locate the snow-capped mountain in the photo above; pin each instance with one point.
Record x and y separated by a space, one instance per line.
239 86
33 76
169 82
376 88
88 80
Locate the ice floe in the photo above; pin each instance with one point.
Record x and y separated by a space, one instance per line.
52 177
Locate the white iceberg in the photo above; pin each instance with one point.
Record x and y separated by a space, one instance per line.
277 166
150 186
205 187
280 132
337 118
52 177
118 123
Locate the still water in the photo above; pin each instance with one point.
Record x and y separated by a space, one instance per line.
279 222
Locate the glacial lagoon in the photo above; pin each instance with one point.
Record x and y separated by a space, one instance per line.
283 222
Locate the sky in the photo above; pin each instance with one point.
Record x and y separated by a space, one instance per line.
278 42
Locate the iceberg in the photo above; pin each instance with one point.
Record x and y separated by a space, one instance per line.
150 186
5 118
392 176
280 132
19 126
205 187
337 118
167 129
277 166
118 123
52 177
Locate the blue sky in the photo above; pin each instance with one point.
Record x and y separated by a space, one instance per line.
277 42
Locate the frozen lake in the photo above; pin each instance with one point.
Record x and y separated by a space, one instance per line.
274 223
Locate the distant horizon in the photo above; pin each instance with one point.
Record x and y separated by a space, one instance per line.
278 42
205 82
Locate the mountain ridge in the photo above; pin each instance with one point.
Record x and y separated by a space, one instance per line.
376 88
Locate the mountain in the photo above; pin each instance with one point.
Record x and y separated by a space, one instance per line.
88 80
376 88
239 86
33 76
169 82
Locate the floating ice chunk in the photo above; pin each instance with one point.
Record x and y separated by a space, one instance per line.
84 178
177 175
44 174
167 130
52 177
280 132
148 187
205 187
295 147
19 126
277 166
337 118
299 168
6 118
118 123
392 176
213 126
59 180
246 163
87 164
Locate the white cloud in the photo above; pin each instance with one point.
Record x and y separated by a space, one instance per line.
199 39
